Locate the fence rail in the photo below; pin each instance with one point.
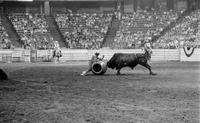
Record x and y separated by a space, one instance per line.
21 55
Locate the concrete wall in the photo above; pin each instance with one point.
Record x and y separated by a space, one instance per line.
158 54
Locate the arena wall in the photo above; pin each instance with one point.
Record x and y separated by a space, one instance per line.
158 54
20 55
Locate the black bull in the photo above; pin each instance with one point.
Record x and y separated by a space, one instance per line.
120 60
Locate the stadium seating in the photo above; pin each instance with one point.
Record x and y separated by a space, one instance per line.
84 30
87 30
5 43
186 30
33 30
142 25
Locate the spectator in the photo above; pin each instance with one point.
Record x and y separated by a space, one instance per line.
187 29
5 43
140 26
83 30
32 28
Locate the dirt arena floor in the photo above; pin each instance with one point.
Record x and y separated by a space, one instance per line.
56 93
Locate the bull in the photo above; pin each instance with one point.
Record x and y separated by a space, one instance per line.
120 60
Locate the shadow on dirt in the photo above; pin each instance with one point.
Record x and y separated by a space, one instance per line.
125 74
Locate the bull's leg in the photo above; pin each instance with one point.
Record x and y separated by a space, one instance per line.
134 65
148 67
118 71
118 68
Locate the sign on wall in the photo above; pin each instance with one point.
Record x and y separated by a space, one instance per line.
190 54
190 51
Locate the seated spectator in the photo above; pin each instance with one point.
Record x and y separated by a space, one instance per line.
187 29
142 25
84 30
5 42
32 28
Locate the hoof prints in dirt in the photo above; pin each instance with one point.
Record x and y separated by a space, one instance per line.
56 94
6 89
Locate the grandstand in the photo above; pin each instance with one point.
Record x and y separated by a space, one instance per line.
32 29
185 30
5 43
89 25
82 30
142 25
95 25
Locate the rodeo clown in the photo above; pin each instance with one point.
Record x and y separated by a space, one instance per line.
95 58
147 48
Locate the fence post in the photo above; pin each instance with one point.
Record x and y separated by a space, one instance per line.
9 58
26 55
33 55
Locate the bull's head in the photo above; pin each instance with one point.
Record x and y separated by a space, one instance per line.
110 64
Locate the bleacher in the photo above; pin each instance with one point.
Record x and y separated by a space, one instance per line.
32 29
5 43
142 25
188 30
88 30
84 30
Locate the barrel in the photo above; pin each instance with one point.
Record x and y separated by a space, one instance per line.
99 68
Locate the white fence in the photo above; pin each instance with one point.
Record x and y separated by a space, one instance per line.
158 54
20 55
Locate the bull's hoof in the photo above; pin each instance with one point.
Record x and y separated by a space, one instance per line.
153 74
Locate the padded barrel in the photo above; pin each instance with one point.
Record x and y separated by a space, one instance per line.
99 68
